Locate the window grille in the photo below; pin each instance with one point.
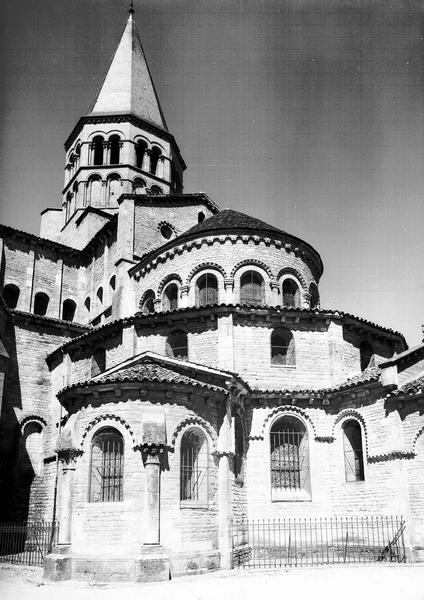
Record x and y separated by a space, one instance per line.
291 294
353 455
251 288
107 466
282 347
194 467
170 297
289 455
176 345
207 290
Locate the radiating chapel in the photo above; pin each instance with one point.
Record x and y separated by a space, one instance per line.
167 369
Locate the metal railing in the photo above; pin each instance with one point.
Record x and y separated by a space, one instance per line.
318 541
27 543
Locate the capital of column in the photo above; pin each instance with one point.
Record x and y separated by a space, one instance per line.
274 285
68 456
184 290
229 282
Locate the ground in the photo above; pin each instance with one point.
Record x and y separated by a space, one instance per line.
391 582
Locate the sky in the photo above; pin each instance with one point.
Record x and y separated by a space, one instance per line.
308 114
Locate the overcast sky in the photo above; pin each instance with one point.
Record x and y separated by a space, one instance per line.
308 114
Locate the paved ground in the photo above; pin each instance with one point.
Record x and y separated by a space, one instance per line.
385 582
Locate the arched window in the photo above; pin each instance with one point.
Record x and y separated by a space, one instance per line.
282 347
154 158
140 150
41 303
112 282
32 459
291 294
148 305
314 296
107 466
139 186
367 355
352 449
194 468
289 455
11 295
206 290
251 288
155 189
87 303
176 345
97 147
99 295
68 310
98 362
238 446
170 297
201 217
95 190
114 149
114 185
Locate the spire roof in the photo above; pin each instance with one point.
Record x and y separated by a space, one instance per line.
128 85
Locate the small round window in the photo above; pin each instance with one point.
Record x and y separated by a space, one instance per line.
166 230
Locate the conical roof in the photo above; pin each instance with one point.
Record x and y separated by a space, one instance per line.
128 85
232 219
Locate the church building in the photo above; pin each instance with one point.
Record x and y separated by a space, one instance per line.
167 372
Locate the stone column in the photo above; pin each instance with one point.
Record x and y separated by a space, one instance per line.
146 162
152 524
184 295
225 512
229 290
275 293
166 168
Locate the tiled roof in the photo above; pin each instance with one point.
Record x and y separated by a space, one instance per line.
414 387
231 219
367 376
145 371
66 324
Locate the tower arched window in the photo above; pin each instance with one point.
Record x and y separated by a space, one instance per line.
366 355
314 295
114 186
68 310
148 305
291 293
106 466
97 148
176 344
206 290
352 450
289 455
194 468
11 295
140 151
155 190
98 362
41 303
114 149
155 154
251 288
282 347
201 217
170 297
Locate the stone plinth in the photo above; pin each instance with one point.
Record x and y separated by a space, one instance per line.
58 564
152 564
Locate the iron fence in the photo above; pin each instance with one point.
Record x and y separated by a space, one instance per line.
319 541
27 543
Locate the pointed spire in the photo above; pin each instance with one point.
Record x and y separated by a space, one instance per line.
128 86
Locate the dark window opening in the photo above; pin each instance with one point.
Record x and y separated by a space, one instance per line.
291 294
166 230
154 159
115 145
11 295
112 282
41 303
107 466
100 295
238 446
251 288
352 447
201 217
148 306
176 345
98 363
314 294
87 304
206 290
155 190
170 297
98 150
68 310
282 347
366 355
140 151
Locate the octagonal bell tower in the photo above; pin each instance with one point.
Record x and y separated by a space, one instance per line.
123 145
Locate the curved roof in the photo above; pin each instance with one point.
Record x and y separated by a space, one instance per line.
232 219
